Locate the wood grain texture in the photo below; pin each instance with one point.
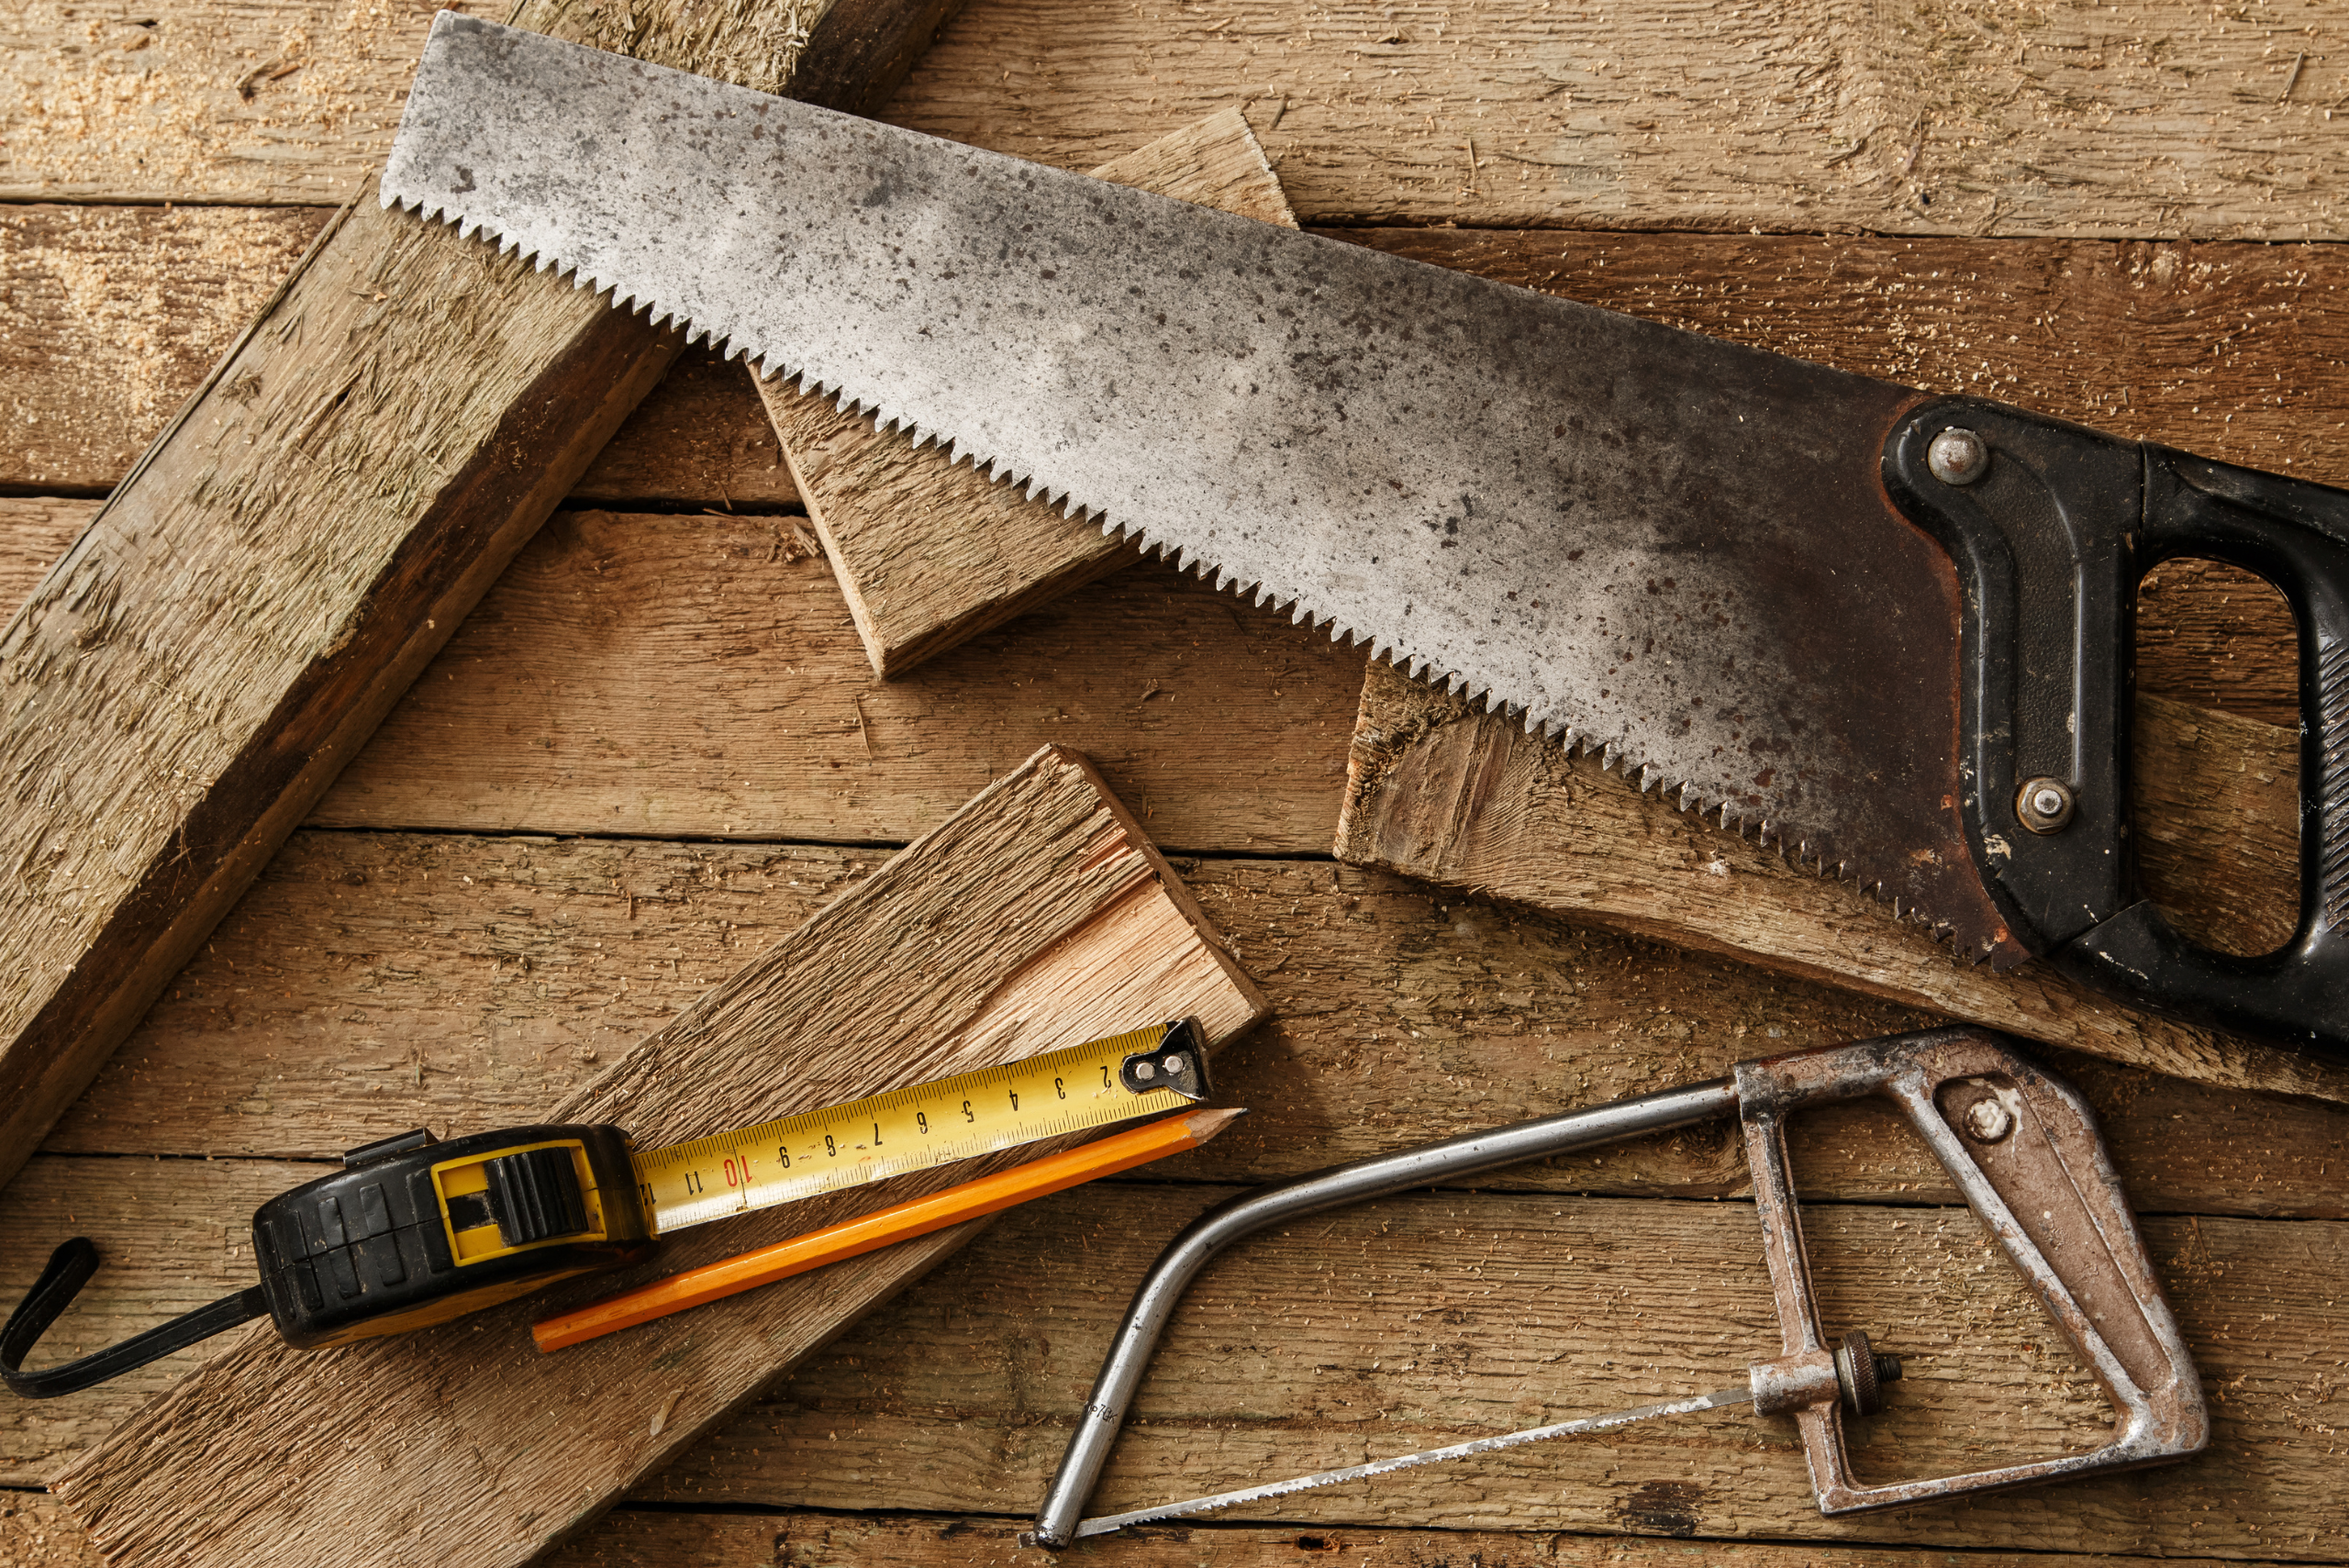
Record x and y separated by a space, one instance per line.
199 100
373 982
187 681
930 552
1438 790
1924 116
117 314
697 675
1036 917
1440 1317
634 1537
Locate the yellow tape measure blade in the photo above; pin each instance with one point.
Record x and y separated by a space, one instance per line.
1139 1073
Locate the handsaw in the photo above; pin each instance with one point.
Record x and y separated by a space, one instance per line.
1889 631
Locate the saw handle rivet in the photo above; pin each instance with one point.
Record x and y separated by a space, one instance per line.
1957 456
2045 804
1987 1121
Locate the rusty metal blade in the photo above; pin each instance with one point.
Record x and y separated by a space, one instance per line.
1650 542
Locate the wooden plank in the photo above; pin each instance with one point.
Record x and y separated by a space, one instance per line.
117 313
930 553
1435 1317
1036 917
2166 119
2159 119
691 675
639 1538
1466 800
33 533
188 679
200 101
372 983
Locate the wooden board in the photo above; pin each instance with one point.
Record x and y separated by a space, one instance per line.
192 675
2162 120
683 676
1439 790
930 552
374 982
117 314
1440 1317
812 1539
1036 917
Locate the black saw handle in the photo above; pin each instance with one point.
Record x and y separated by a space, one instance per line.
2052 526
2296 535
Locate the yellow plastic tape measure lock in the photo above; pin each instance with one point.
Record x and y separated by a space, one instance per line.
1136 1073
413 1231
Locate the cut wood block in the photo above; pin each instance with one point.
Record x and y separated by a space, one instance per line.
932 552
1439 790
1036 917
186 682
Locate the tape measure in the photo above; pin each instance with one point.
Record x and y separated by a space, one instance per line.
413 1231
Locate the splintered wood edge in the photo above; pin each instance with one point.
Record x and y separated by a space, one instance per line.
1438 791
880 506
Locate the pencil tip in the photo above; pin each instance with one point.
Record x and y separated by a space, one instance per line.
1206 1124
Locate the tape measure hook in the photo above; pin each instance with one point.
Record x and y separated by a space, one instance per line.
1178 1061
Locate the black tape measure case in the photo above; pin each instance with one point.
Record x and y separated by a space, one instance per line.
411 1233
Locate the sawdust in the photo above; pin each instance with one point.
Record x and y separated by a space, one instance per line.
291 103
118 313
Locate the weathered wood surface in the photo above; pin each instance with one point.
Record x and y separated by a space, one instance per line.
188 679
1036 918
829 1541
372 983
2160 119
1440 1317
688 675
1439 790
203 102
117 314
930 553
35 1530
2151 120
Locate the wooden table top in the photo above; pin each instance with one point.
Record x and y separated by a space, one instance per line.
657 747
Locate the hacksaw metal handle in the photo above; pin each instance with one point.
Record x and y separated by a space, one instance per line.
2024 1149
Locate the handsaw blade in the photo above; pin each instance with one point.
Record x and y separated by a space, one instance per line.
1671 548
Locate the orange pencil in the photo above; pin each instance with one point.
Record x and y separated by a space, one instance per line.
900 1222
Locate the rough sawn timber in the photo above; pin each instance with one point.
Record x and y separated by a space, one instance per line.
2166 119
1439 790
1036 918
194 673
932 552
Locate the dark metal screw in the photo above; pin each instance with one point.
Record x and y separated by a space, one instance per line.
1957 456
2045 804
